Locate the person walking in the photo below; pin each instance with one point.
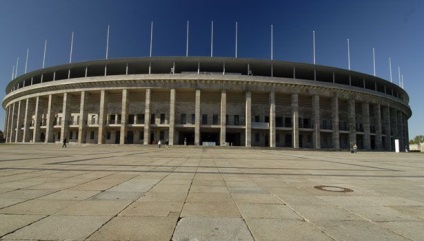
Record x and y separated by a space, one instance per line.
64 143
159 143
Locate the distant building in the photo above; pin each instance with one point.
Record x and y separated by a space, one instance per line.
226 101
417 147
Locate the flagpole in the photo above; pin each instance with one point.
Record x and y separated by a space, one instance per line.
236 37
212 39
390 67
188 27
107 41
45 49
399 74
313 43
13 72
402 81
272 42
373 59
72 45
348 54
26 61
16 70
151 38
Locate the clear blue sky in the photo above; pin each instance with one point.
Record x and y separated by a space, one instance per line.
393 27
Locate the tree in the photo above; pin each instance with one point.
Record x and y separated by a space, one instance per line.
417 140
1 137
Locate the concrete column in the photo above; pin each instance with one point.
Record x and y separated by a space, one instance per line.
147 118
272 119
295 119
366 124
102 117
387 124
171 117
124 116
377 121
37 123
248 119
406 130
223 117
197 119
12 124
316 135
82 129
66 113
49 122
335 122
18 134
352 122
394 126
6 124
400 131
27 119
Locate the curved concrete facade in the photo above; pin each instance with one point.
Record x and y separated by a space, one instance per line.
206 101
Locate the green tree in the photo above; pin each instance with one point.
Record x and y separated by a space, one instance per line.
1 136
417 139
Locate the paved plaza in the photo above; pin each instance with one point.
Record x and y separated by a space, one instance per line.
134 192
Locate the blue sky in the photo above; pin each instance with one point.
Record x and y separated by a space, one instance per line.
393 27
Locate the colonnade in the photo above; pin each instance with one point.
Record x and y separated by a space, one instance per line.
24 123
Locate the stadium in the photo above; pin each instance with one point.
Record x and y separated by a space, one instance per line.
209 101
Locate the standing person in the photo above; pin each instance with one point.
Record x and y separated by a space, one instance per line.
64 143
159 143
355 148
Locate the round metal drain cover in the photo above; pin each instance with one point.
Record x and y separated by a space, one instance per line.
333 189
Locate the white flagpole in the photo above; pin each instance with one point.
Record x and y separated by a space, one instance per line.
45 49
313 43
373 59
107 41
236 37
17 64
272 42
13 72
390 67
212 39
26 61
188 27
348 54
402 81
72 46
151 38
399 74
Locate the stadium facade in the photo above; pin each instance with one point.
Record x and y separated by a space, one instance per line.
206 101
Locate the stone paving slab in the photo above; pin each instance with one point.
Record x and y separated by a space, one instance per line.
60 228
136 228
135 192
95 208
155 208
217 229
10 223
290 230
358 230
267 211
114 195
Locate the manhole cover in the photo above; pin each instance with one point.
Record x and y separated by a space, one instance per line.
333 189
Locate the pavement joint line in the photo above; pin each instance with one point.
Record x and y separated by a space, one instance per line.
116 215
342 163
304 218
226 173
185 201
238 208
14 231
